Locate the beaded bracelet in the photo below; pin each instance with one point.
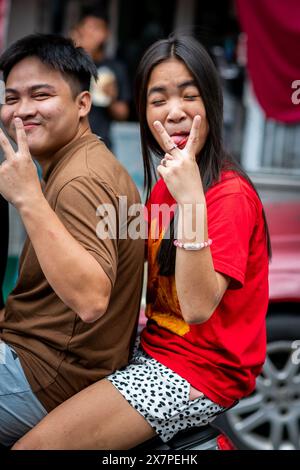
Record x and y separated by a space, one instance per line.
192 246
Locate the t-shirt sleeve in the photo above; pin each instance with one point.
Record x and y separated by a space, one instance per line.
231 221
83 205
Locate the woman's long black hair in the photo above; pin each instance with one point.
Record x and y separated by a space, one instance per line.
213 159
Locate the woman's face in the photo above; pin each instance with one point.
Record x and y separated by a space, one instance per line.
173 98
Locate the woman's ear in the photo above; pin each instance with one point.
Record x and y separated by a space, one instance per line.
84 101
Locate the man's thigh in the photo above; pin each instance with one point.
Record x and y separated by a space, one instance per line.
20 409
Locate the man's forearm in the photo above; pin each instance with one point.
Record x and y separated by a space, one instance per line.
72 272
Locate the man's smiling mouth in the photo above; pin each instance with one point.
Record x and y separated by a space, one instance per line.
30 125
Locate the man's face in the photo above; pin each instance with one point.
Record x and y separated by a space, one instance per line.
43 99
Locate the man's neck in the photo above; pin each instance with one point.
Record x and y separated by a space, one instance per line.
45 161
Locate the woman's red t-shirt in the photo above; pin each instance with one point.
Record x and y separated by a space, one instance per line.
222 356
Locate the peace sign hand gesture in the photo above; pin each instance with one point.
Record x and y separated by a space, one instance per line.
19 182
179 168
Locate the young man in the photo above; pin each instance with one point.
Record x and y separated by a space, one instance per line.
111 94
72 317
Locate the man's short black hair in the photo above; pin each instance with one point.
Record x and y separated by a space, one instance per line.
56 51
98 11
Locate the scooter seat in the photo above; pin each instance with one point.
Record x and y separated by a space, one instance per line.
182 440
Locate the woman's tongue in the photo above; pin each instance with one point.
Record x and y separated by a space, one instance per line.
180 140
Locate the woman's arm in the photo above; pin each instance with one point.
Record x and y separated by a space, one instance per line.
199 287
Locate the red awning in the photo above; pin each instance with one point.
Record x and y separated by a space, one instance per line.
4 12
273 38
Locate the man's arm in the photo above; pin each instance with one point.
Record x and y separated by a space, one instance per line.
73 273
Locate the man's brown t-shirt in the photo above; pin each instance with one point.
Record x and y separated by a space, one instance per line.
60 353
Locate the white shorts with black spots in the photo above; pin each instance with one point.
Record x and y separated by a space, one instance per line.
161 396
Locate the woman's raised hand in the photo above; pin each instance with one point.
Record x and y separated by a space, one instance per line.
179 168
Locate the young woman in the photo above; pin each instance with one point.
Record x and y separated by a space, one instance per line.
205 339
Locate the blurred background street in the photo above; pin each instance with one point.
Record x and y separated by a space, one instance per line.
254 44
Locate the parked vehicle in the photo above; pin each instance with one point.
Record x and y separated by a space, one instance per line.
270 417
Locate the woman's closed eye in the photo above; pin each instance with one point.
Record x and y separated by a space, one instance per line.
158 102
191 97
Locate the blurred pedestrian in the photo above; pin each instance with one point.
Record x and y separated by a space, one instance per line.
111 94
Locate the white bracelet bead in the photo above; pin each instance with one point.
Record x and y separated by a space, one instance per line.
192 246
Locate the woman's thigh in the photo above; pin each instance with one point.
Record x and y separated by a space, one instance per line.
98 417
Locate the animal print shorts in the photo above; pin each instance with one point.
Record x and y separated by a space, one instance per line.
161 396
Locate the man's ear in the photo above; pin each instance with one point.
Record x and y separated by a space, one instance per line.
84 101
